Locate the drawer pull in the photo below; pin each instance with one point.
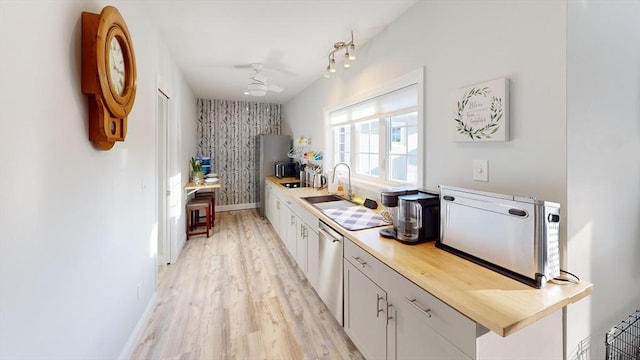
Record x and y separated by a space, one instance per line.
414 303
378 309
360 261
389 312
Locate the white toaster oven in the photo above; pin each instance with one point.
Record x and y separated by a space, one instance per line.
518 237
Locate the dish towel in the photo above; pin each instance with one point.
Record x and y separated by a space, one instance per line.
355 217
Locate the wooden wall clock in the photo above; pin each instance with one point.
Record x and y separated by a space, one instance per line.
108 75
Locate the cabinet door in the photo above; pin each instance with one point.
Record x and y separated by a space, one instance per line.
365 313
268 203
313 257
414 339
301 245
276 215
290 233
273 209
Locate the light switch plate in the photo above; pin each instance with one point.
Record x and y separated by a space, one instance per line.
481 170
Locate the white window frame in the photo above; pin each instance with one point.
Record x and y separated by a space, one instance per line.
415 77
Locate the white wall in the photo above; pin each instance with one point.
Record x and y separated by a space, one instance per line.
574 141
603 156
77 225
460 43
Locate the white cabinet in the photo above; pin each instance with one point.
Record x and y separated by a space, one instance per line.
365 313
301 245
268 202
298 230
273 208
415 338
307 253
427 328
313 257
289 229
408 322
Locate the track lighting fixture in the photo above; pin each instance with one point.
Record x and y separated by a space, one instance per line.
349 55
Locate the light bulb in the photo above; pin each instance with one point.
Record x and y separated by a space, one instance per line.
352 53
347 62
332 65
327 73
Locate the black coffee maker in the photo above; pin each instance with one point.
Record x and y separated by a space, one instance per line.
415 213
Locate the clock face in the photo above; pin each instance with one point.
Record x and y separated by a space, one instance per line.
116 65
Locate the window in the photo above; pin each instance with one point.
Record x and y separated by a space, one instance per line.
379 136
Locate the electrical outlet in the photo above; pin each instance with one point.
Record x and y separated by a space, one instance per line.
481 170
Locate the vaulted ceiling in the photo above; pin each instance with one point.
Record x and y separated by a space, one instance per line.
214 42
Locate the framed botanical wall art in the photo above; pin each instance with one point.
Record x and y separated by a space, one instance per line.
481 112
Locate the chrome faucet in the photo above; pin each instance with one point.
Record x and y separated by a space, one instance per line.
349 194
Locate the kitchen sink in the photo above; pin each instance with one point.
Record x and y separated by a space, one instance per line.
324 202
291 185
346 213
322 199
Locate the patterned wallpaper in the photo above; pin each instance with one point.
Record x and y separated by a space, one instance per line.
227 132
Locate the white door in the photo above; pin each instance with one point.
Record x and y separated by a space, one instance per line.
164 228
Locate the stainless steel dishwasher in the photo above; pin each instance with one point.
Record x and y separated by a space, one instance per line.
330 271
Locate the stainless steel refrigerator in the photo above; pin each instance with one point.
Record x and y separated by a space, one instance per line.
271 149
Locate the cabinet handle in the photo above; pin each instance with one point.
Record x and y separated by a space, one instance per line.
378 309
360 261
414 303
389 312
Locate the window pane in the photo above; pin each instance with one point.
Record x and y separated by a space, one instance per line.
358 128
412 140
398 168
345 157
412 169
374 165
400 146
341 146
363 164
367 137
396 135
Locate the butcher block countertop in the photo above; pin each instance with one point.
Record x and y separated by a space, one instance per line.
492 300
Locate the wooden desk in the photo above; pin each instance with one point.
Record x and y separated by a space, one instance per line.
192 188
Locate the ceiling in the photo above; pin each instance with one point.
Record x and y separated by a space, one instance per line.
215 41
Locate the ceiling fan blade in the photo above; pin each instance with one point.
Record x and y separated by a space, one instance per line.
242 66
259 78
274 88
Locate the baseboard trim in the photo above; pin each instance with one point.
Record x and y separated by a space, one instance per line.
237 207
134 338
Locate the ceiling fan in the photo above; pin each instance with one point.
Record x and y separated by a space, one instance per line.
259 84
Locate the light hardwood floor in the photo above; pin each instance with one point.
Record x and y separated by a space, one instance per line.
239 295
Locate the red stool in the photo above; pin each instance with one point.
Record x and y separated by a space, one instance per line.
212 199
192 209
